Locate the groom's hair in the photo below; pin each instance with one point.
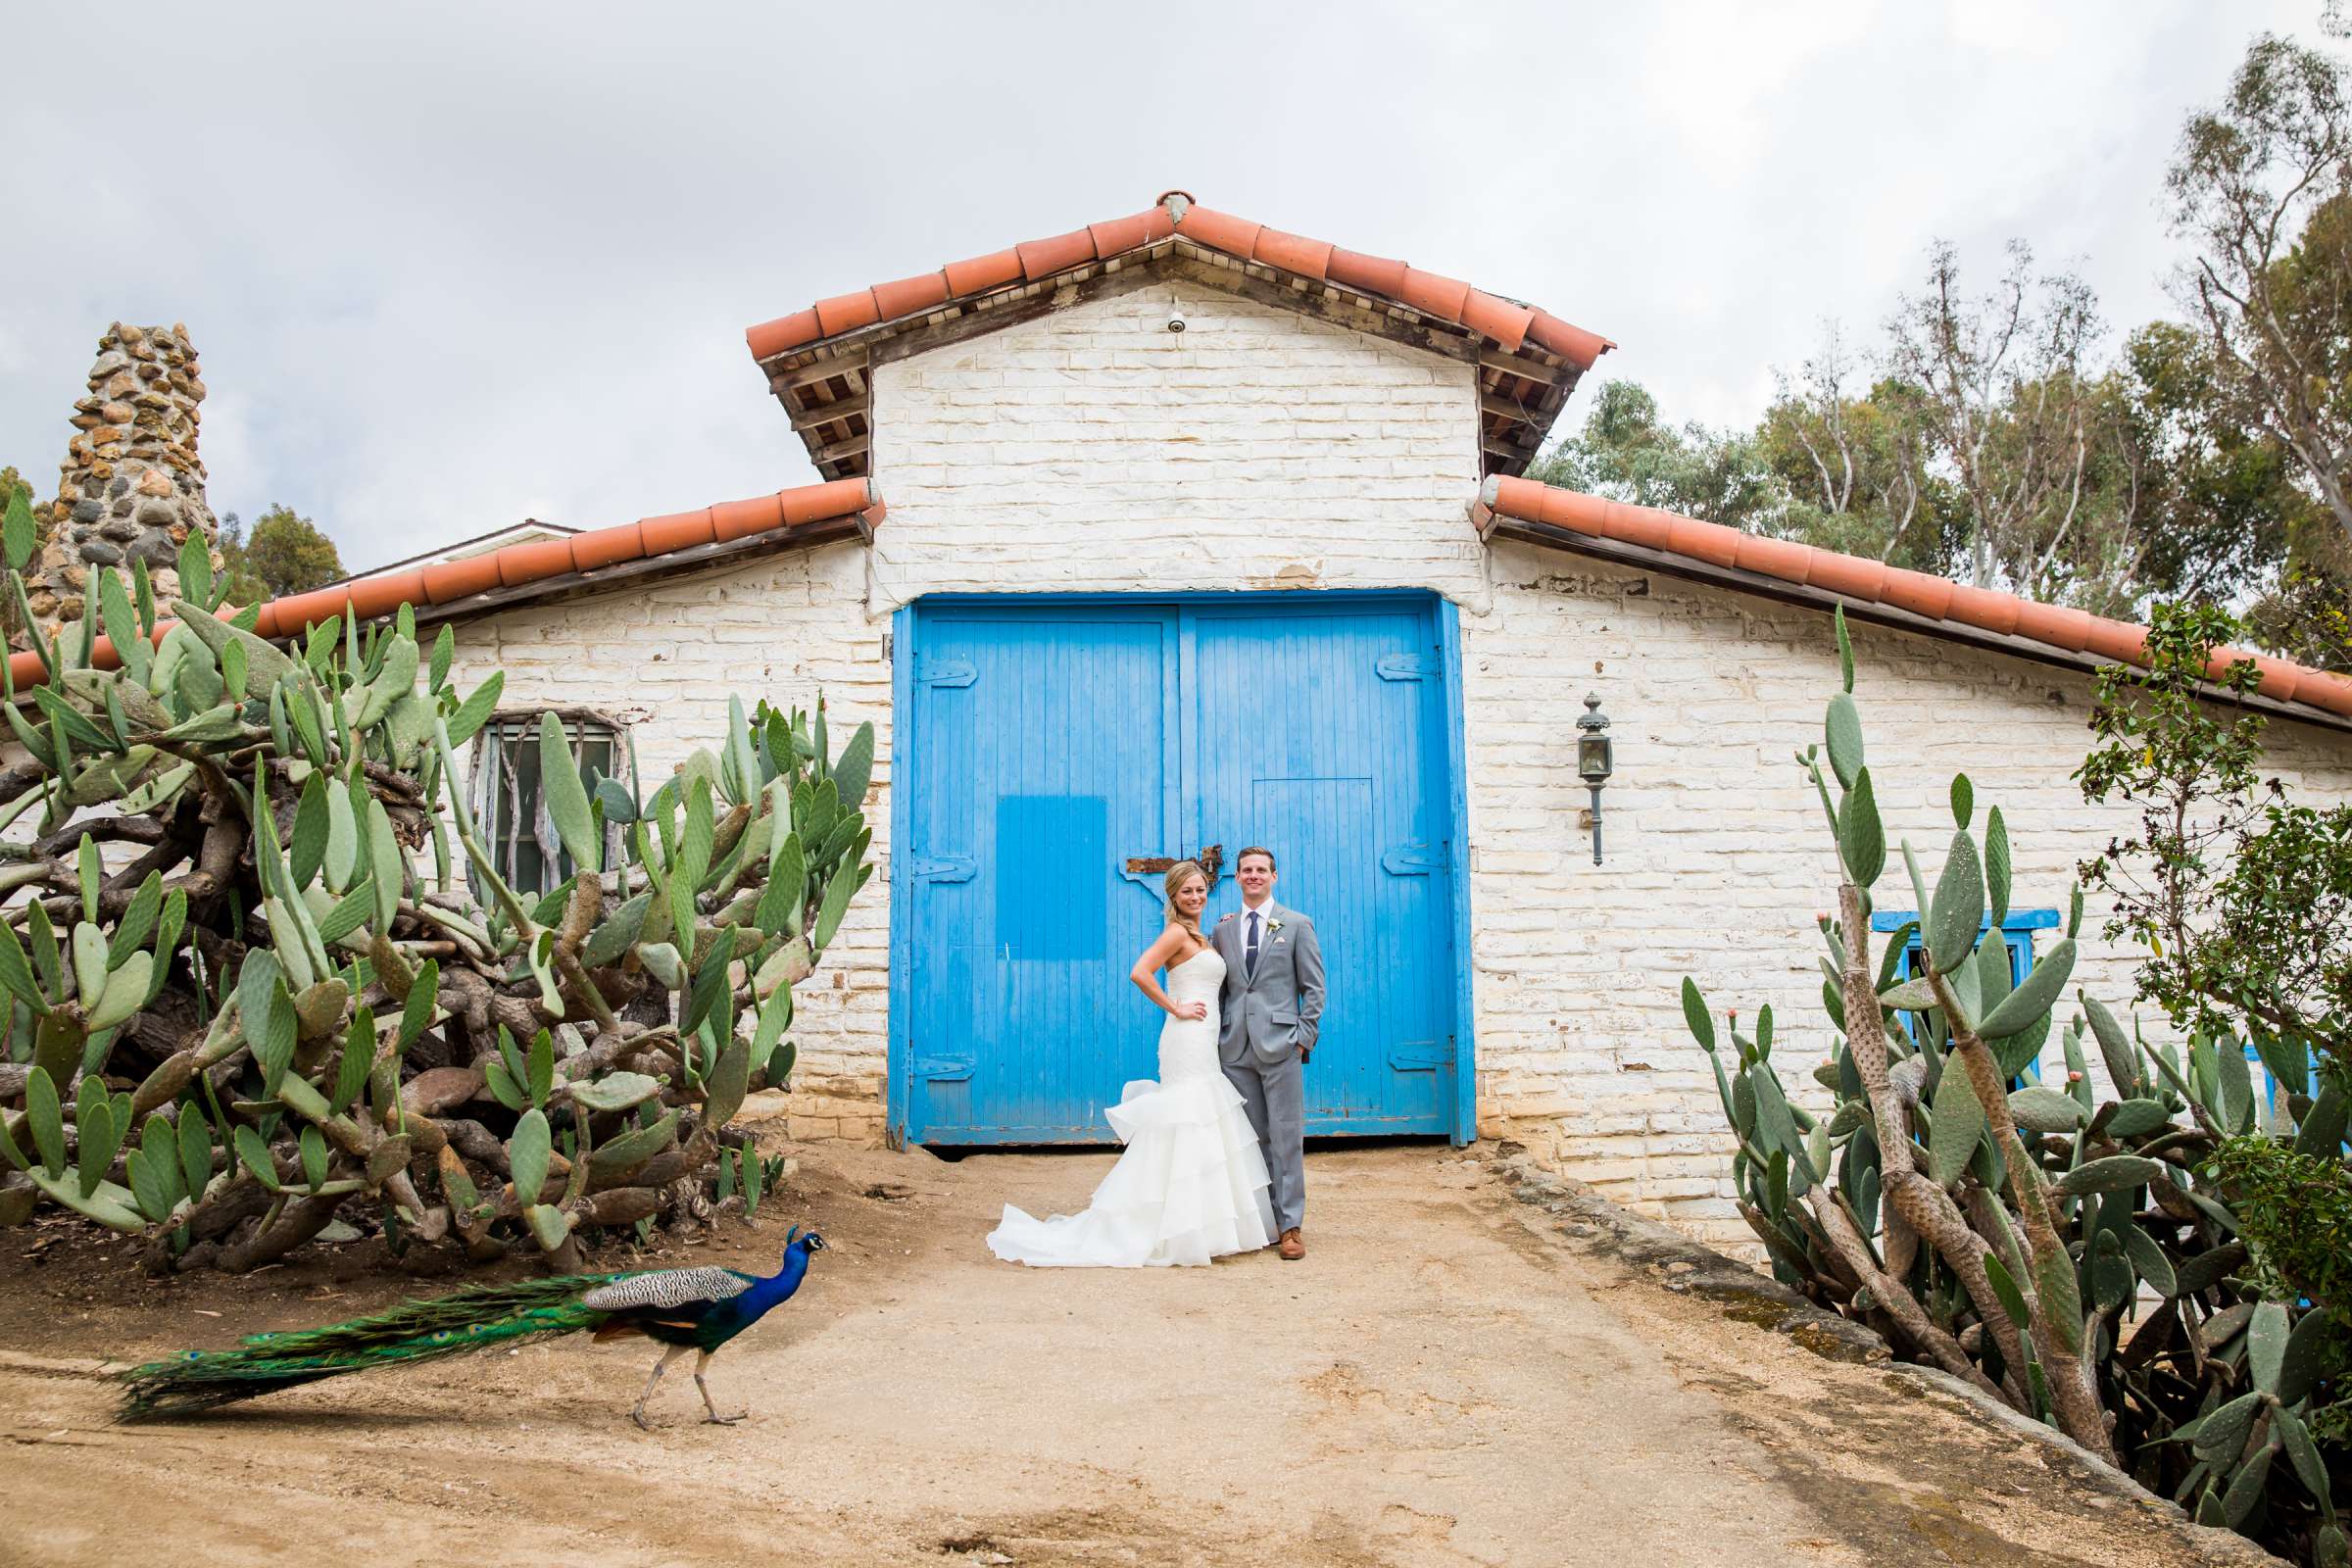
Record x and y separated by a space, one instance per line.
1255 849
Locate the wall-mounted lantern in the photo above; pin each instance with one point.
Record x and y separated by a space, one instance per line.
1594 759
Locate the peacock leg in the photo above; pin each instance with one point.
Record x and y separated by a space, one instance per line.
701 1361
672 1355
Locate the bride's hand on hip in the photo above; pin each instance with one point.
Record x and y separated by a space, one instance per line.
1191 1011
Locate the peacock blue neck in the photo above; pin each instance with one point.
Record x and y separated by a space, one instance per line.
780 1285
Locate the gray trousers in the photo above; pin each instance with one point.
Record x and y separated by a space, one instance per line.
1275 1096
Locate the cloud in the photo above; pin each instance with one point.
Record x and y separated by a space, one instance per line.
451 266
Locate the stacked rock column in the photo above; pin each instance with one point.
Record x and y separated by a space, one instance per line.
132 487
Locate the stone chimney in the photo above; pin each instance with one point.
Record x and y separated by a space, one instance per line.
131 486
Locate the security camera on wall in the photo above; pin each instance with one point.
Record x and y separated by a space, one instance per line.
1175 319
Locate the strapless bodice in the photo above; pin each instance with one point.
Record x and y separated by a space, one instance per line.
1197 978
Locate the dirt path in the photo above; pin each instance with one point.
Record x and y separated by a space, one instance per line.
1442 1381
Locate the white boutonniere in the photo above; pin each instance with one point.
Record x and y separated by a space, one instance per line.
1273 926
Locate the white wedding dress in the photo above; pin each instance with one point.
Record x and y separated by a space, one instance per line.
1192 1183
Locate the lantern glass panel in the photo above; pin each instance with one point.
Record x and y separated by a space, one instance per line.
1593 756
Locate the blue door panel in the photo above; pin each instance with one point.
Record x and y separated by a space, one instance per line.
1318 737
1051 743
1041 751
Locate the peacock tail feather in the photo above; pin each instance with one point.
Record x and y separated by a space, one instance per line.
474 1318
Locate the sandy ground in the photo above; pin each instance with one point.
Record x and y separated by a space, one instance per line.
1445 1379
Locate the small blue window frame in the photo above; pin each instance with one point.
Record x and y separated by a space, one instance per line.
2017 935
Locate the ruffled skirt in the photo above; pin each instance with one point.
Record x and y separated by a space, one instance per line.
1191 1186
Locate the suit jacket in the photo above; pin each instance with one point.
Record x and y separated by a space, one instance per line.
1267 1016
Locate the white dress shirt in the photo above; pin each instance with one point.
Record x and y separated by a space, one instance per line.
1265 917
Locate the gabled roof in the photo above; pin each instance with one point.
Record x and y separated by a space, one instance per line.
1869 589
575 561
1528 360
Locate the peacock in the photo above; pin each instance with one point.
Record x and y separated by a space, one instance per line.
695 1310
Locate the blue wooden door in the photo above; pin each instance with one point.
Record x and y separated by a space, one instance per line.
1042 755
1048 744
1318 733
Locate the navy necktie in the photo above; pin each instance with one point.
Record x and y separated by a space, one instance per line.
1249 958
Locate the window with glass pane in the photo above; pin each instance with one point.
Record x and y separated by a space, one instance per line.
2017 935
512 809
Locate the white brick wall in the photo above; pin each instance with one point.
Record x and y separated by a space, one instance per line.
1093 450
1717 854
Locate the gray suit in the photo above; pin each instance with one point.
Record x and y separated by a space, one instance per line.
1268 1020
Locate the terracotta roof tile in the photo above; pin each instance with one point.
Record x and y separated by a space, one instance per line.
740 520
604 547
2122 641
1043 258
1571 343
1132 232
1775 557
783 333
1374 274
1934 599
1293 253
678 531
1920 593
1220 231
925 291
2324 689
1504 320
1447 298
448 580
299 612
978 274
537 561
846 313
1433 295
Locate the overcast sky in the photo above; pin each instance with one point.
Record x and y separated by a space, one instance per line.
451 266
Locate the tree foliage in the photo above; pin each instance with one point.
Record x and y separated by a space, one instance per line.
2239 894
1852 463
1988 447
2262 188
282 552
1626 453
2010 411
1992 434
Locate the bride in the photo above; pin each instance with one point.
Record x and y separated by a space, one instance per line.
1191 1183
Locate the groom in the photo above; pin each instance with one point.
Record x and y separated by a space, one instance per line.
1273 999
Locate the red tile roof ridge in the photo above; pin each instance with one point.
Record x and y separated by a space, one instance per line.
382 593
1505 321
1859 578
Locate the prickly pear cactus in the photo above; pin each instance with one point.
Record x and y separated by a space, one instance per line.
247 985
2072 1254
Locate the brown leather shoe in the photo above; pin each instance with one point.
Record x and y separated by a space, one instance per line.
1293 1248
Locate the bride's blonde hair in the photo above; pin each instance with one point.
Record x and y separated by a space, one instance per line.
1179 874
